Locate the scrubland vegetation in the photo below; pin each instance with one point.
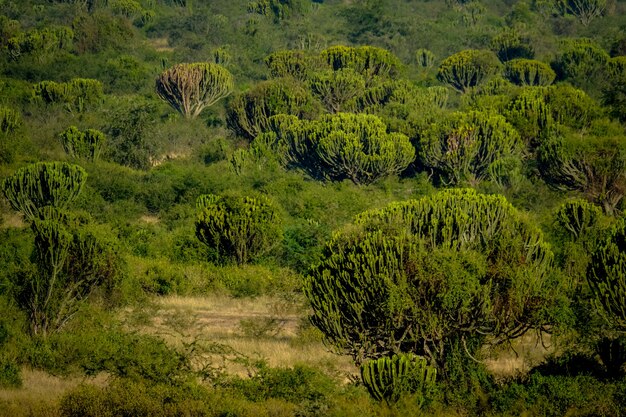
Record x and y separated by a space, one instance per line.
312 208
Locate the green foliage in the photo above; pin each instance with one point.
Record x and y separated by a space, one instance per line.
77 94
557 395
368 61
419 275
529 72
509 44
82 145
190 88
468 68
607 276
44 184
291 63
279 9
580 60
425 58
614 93
249 113
40 43
595 166
387 378
130 128
341 146
337 89
470 147
237 229
571 107
578 217
530 114
10 120
584 10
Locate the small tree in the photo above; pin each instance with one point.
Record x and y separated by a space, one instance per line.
584 10
87 144
467 69
341 146
76 94
580 60
249 113
529 72
44 184
509 44
387 378
595 166
189 88
336 89
614 93
470 147
369 61
237 229
607 276
69 260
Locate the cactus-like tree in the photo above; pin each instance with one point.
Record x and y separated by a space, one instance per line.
510 44
69 260
10 120
190 88
291 63
336 89
614 93
470 147
529 72
76 94
607 276
237 229
421 275
249 113
44 184
530 114
86 144
341 146
425 58
584 10
369 61
468 68
595 166
387 378
579 60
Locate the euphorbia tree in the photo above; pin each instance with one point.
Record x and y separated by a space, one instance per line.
190 88
424 275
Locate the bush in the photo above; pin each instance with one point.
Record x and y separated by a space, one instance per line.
237 229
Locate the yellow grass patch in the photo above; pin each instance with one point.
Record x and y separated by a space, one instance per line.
40 393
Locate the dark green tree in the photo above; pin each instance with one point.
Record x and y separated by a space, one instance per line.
425 275
595 166
69 259
44 184
249 113
340 146
607 276
387 378
470 147
337 90
467 69
87 144
369 61
237 229
77 95
529 72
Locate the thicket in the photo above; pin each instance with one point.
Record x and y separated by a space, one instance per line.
303 150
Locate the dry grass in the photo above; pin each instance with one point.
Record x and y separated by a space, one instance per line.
267 328
40 393
160 44
12 220
525 353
